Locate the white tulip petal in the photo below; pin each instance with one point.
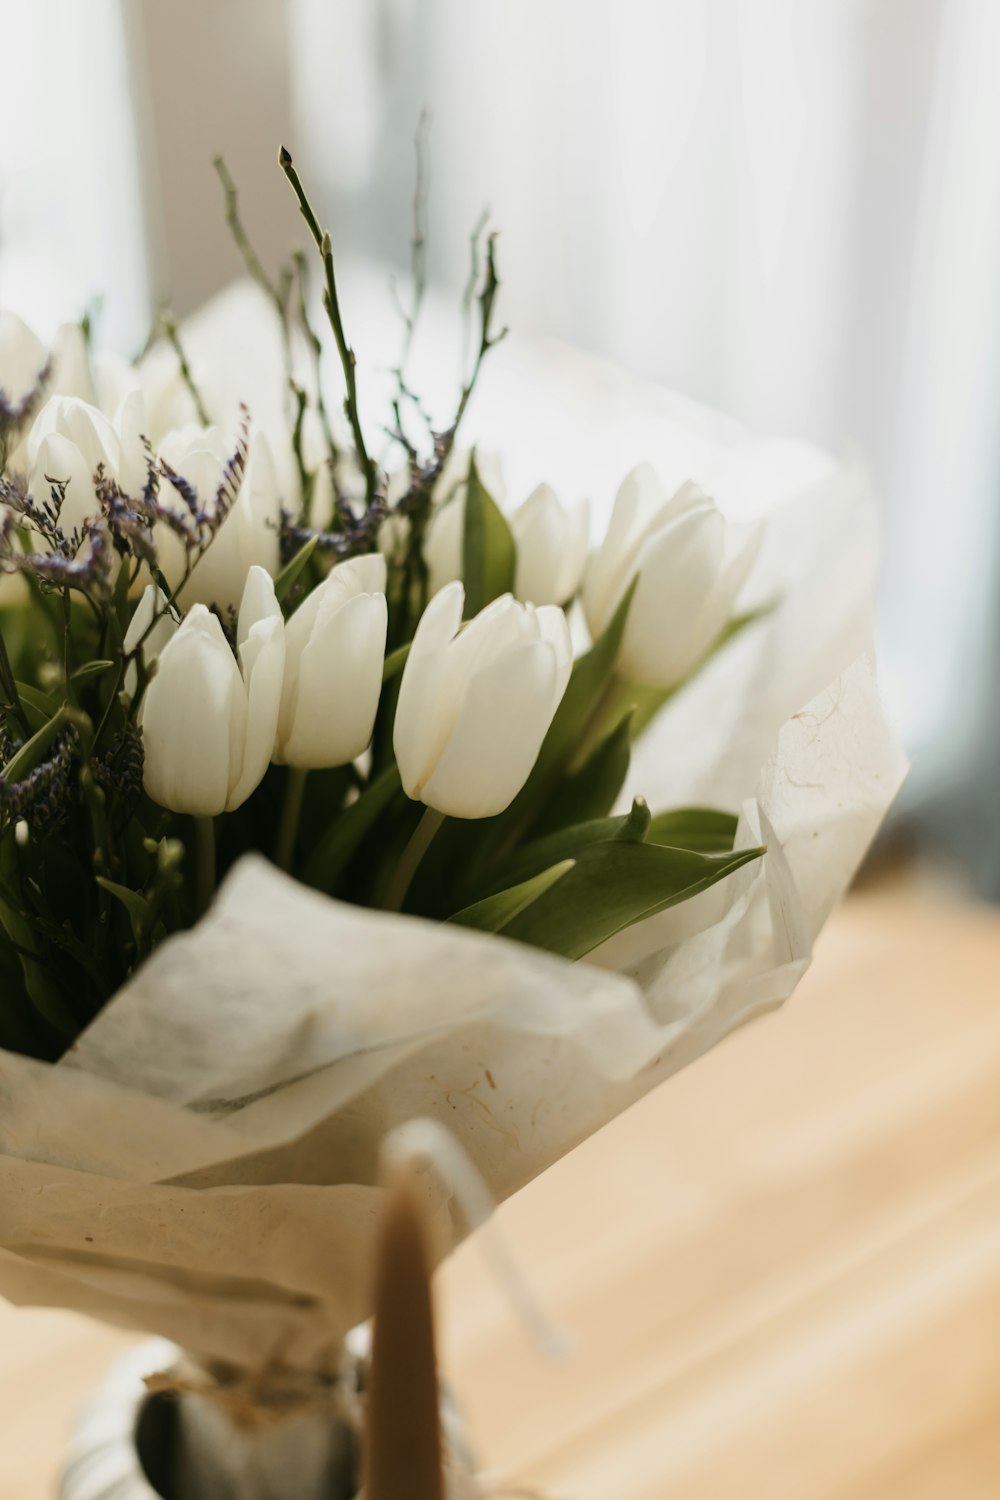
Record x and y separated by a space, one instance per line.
259 509
84 426
180 443
132 426
552 547
498 625
609 567
677 572
418 735
743 544
507 709
553 628
249 535
538 531
358 575
444 542
262 658
367 574
259 602
641 509
356 578
260 635
59 461
690 496
339 683
194 712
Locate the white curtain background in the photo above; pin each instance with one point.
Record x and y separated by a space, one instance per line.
791 211
71 205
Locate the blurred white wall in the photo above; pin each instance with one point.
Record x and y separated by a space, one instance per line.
71 208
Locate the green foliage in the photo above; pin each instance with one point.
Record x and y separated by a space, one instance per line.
345 834
489 553
707 830
293 570
591 791
495 913
613 885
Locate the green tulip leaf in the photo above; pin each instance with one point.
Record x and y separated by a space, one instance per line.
42 989
569 843
91 669
290 573
708 830
614 885
135 904
591 791
333 852
489 552
395 662
496 912
38 706
32 751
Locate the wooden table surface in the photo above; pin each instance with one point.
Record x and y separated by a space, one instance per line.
780 1273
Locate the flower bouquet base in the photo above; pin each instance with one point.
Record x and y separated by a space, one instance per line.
159 1429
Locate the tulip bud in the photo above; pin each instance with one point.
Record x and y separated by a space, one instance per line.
445 536
208 723
690 566
249 535
551 547
474 707
334 651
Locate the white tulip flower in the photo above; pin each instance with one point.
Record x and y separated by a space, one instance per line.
475 706
248 537
690 566
552 543
70 370
68 442
208 723
334 653
445 536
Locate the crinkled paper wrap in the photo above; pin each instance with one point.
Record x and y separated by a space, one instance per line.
205 1162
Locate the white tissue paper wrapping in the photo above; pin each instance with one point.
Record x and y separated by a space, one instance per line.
205 1162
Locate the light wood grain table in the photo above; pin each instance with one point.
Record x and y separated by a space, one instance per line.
780 1273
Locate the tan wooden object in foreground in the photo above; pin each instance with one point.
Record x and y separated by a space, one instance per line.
781 1272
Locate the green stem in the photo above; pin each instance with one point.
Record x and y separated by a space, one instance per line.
291 816
331 301
169 326
9 684
204 844
411 857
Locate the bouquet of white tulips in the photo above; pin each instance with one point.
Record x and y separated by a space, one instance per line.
323 772
387 705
